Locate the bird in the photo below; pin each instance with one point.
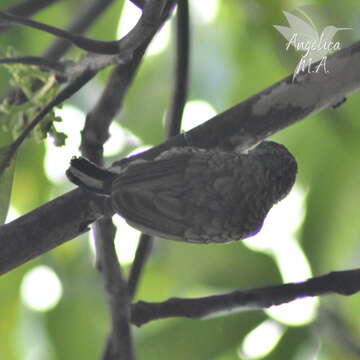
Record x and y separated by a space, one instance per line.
195 195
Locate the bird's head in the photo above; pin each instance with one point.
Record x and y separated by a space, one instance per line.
280 166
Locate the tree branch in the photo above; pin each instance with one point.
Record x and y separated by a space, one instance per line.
245 124
60 46
98 120
181 69
173 124
119 344
142 254
275 108
94 135
49 226
139 3
335 326
341 282
154 14
96 46
55 66
68 91
79 25
26 8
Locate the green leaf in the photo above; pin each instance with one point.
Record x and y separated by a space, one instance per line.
16 117
6 182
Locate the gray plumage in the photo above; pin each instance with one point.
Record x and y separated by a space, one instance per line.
204 196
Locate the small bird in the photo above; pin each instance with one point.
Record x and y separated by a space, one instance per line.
195 195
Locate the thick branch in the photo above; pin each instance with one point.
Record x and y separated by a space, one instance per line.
275 108
341 282
241 126
49 226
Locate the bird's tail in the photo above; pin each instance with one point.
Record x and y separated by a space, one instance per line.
88 175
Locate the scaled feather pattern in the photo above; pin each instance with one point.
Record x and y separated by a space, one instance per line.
204 196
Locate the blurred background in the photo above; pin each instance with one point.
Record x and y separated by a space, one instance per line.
54 307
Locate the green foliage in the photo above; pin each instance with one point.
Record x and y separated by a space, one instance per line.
15 117
235 56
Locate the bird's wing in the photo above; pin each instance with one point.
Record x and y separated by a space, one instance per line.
149 195
149 173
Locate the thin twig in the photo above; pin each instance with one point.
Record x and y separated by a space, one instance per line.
27 8
119 346
173 122
59 47
336 326
247 123
181 69
78 25
154 14
98 120
142 254
95 46
137 39
42 62
68 91
94 135
341 282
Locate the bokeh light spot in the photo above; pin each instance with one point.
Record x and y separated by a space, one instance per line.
126 240
41 289
12 214
117 140
205 12
196 112
278 239
128 19
261 341
57 159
